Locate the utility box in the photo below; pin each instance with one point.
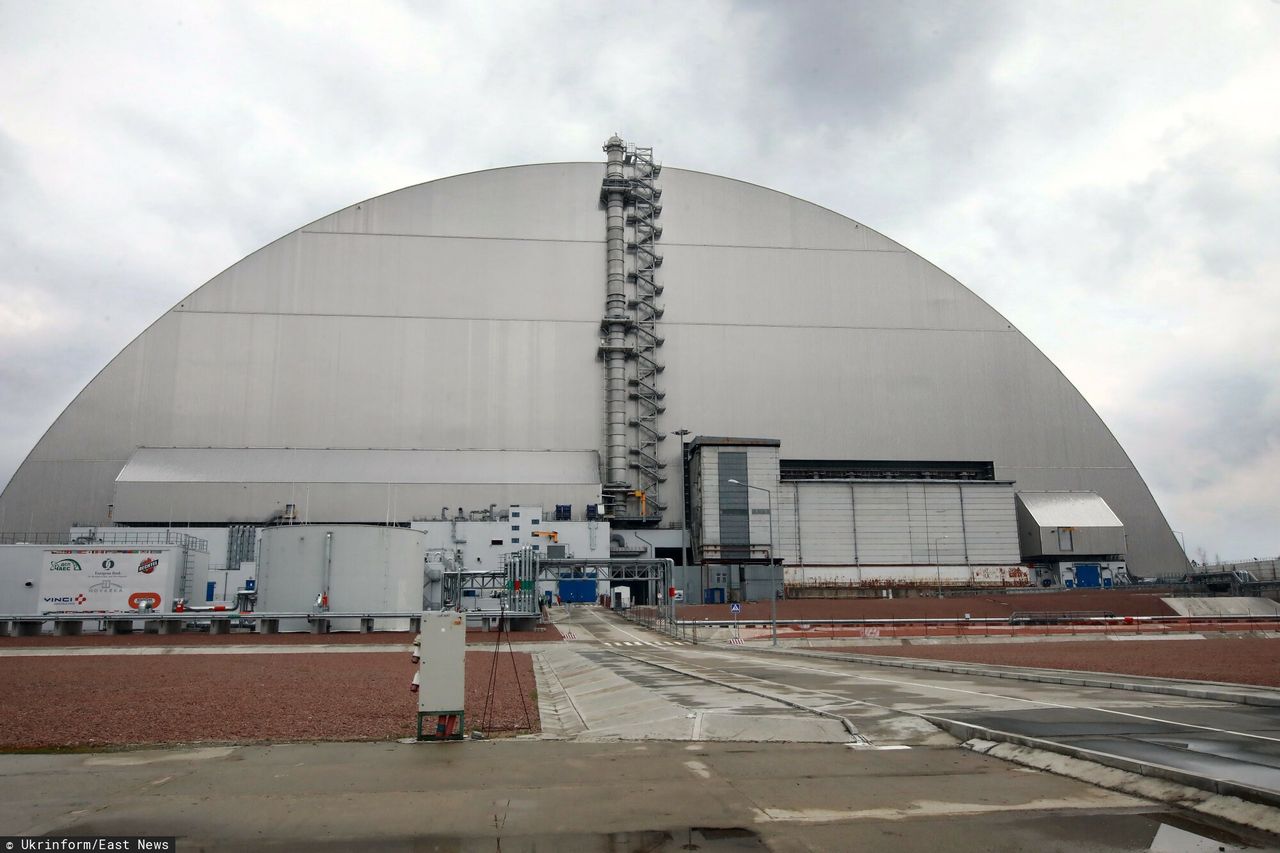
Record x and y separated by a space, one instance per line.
621 598
442 652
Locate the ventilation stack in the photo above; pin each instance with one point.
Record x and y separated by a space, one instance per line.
631 338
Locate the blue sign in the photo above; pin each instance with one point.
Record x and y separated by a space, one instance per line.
735 608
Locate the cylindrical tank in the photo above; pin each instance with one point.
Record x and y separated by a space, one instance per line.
355 567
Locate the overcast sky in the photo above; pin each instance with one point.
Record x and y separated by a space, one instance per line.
1106 175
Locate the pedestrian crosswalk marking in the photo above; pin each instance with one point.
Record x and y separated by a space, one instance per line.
646 643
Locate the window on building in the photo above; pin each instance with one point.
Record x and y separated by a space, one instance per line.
1064 538
515 527
536 521
515 540
515 513
495 541
535 546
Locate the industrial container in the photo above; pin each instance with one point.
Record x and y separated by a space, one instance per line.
113 579
342 568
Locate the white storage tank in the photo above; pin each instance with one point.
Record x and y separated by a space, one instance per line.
357 567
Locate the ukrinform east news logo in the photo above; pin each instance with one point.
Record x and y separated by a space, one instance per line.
149 565
65 565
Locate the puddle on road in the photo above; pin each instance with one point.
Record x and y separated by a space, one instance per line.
704 839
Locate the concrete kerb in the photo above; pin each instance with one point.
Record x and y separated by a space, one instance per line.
1191 690
968 731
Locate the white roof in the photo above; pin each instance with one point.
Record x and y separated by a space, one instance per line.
294 465
1069 509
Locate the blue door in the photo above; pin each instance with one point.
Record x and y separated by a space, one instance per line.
1088 575
580 590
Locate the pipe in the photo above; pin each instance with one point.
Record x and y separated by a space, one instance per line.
328 565
615 317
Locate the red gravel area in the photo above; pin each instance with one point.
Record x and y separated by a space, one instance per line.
1244 660
199 638
133 700
1122 603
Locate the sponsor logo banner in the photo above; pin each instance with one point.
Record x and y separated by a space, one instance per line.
105 580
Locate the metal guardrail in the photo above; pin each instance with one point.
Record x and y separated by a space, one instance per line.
203 615
108 538
978 620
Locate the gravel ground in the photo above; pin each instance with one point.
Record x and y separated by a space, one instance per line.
1121 603
1241 660
200 638
117 700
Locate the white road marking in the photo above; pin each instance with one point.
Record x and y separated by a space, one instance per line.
614 627
697 768
926 686
934 808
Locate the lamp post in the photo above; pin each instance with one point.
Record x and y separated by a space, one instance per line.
684 525
1186 558
684 502
773 575
937 559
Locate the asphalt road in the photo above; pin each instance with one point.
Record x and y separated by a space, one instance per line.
622 797
1222 740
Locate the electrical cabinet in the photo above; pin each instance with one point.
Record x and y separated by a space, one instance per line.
442 652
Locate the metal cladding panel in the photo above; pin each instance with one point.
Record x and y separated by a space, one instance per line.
940 522
396 276
733 507
826 528
1085 541
464 313
762 470
899 523
546 201
370 569
1094 530
991 529
20 565
374 503
1068 509
884 524
845 289
708 486
294 465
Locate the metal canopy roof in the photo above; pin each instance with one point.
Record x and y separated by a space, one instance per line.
294 465
729 441
1069 509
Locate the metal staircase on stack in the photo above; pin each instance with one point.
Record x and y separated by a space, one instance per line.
645 208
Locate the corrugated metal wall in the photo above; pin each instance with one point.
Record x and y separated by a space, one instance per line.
843 523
